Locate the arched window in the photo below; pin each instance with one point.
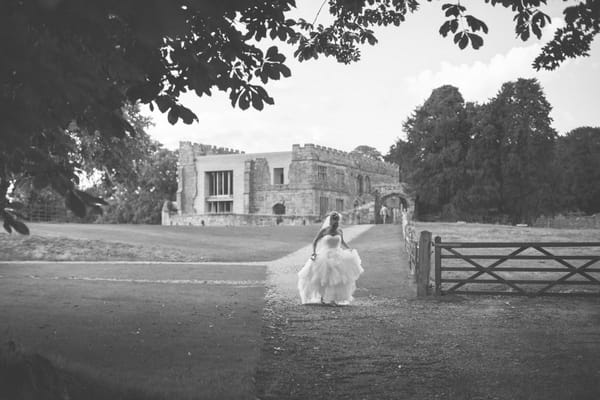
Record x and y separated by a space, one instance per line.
359 185
367 184
279 209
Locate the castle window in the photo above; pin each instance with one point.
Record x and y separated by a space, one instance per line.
220 207
359 185
341 178
339 204
367 184
220 183
278 176
321 172
323 206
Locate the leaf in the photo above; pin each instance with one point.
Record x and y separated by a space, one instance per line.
476 41
186 115
536 31
445 28
7 226
457 37
271 52
173 116
19 227
476 24
75 204
257 102
464 41
244 102
163 103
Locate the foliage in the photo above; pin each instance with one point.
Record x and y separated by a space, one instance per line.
438 135
74 65
368 151
578 160
525 152
489 162
139 199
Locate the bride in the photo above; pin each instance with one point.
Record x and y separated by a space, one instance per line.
330 275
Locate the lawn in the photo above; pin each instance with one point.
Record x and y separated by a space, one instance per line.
141 331
64 242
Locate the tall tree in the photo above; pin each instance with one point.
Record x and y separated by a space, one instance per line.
484 164
526 141
70 66
578 156
438 133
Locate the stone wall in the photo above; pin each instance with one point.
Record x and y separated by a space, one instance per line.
238 219
310 152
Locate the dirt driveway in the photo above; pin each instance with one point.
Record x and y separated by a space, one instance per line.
390 345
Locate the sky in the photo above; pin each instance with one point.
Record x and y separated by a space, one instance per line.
365 103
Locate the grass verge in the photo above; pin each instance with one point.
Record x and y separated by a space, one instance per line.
81 242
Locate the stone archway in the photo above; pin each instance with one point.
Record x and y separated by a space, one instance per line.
395 197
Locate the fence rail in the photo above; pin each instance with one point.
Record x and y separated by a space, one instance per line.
519 280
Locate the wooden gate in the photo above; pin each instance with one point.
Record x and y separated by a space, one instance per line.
524 270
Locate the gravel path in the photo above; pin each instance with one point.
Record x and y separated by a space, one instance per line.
388 344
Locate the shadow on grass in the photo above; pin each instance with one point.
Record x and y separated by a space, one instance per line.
26 376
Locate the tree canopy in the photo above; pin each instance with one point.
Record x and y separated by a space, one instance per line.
500 161
69 67
368 151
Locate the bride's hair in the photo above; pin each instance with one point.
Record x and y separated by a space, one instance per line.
327 221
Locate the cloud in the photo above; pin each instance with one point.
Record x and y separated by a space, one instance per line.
479 81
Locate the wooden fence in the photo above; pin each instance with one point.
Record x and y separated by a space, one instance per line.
502 268
532 268
418 250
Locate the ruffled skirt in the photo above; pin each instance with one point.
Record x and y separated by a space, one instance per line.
331 276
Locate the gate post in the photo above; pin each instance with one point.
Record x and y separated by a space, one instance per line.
423 264
438 266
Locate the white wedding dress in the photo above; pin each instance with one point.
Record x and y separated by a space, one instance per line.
332 275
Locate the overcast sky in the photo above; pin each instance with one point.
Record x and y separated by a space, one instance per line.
344 106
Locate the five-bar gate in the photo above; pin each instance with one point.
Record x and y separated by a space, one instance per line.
530 269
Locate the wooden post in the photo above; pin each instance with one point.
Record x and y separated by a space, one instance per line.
423 263
438 266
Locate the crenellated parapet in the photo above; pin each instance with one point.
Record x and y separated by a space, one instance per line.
312 152
198 149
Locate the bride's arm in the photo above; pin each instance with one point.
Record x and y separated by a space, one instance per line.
317 238
343 241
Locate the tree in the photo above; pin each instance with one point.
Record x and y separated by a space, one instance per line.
526 150
70 67
368 151
139 198
484 164
438 132
510 160
578 159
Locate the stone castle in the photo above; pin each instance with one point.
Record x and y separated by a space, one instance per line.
220 186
